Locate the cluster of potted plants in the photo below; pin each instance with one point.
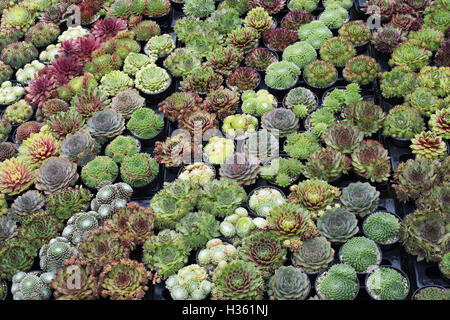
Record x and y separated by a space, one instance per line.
261 134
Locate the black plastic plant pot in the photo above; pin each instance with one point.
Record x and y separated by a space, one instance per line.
319 279
362 48
400 142
383 56
213 168
425 287
164 20
174 169
393 101
396 269
321 90
151 183
14 83
155 98
88 25
386 246
5 290
336 181
363 274
381 186
177 5
250 211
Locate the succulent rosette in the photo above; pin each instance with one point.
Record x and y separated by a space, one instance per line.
106 124
241 167
371 160
314 255
39 147
429 145
56 173
16 175
280 122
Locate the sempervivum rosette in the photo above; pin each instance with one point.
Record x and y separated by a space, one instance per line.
289 283
360 198
16 175
314 255
105 125
198 121
30 202
428 145
343 137
241 167
238 280
55 174
264 250
39 147
280 121
79 147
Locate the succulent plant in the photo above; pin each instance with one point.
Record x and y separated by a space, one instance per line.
106 124
387 38
166 252
190 283
237 280
24 130
122 147
307 5
225 20
8 150
64 123
175 151
53 254
425 100
436 16
56 173
80 226
360 198
202 79
18 16
88 102
67 202
301 96
319 73
338 225
395 83
30 202
38 228
221 197
98 171
146 29
337 50
403 122
282 171
51 107
145 123
223 59
280 121
182 61
18 54
38 147
440 123
178 103
343 137
293 20
18 112
301 145
5 72
218 149
334 16
244 39
216 254
315 32
427 38
314 255
9 35
198 8
103 63
8 227
197 121
139 169
5 129
221 102
173 202
371 160
15 256
361 69
432 293
63 282
135 61
241 167
414 178
361 253
111 198
423 234
152 79
115 81
338 283
79 147
292 224
199 173
282 75
356 32
271 6
434 78
442 57
124 279
410 56
198 228
42 34
16 176
34 285
382 227
387 284
429 145
260 58
243 78
259 19
366 116
326 164
107 28
263 199
279 39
